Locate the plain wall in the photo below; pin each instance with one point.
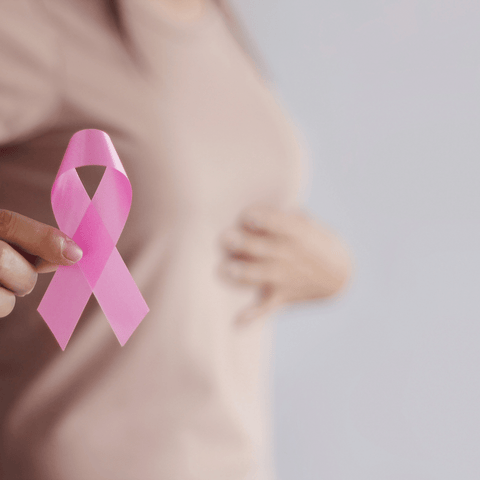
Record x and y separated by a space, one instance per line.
384 383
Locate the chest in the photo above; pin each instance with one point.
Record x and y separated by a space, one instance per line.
196 127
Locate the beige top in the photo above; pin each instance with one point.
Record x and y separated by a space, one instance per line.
201 138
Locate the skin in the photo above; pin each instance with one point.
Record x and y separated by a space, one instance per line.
27 248
182 10
290 256
287 254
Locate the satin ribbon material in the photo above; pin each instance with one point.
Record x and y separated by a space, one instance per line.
95 225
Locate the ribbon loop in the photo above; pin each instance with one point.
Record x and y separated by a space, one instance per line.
95 225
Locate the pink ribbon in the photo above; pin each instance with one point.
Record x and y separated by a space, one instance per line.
95 225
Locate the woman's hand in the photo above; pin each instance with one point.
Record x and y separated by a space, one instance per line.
28 247
289 255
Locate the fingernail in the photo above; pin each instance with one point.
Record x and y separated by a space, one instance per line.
72 252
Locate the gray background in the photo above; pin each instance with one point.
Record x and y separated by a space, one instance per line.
384 383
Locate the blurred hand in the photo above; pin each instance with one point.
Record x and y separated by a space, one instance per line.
28 247
289 255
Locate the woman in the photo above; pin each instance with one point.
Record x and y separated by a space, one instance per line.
216 242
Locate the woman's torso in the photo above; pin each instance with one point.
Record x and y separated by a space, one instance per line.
201 138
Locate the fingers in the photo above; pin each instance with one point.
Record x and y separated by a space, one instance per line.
244 243
23 239
253 258
250 273
42 266
16 273
7 302
272 221
287 251
38 239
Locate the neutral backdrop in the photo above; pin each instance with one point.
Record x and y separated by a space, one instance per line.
384 383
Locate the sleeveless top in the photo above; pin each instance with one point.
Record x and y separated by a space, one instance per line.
201 137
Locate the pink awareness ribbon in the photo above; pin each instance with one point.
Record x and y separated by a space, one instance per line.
95 225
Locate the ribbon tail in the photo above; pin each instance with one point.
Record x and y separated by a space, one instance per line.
64 301
120 298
